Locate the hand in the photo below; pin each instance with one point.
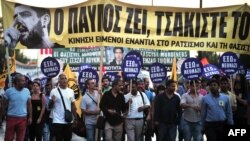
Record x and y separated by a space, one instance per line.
156 123
29 120
54 98
130 101
97 111
38 121
140 109
196 108
148 118
100 92
11 35
112 111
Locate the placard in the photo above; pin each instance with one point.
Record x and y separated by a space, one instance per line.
50 67
191 69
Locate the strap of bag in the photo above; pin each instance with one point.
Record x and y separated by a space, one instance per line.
142 98
91 98
62 98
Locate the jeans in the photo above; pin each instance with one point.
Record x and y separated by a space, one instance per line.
180 128
90 132
46 132
167 132
192 129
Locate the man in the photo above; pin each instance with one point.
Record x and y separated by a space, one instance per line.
216 112
138 102
224 88
47 130
62 129
150 94
19 107
191 103
113 106
167 112
90 108
105 84
118 52
31 27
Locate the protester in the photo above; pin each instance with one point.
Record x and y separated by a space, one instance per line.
224 88
113 106
19 108
216 112
240 89
38 102
191 103
47 130
106 84
167 112
90 108
62 129
138 102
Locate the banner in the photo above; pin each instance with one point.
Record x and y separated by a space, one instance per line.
76 57
113 23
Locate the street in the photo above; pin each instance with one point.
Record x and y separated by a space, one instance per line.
2 131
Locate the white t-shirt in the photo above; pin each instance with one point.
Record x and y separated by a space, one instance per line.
136 103
57 112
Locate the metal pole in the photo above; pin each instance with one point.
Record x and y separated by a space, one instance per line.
200 3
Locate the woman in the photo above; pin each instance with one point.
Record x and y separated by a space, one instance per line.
38 101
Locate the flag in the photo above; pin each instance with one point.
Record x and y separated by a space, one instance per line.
204 61
72 83
174 71
4 74
104 70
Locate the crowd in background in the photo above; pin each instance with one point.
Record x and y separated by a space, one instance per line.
133 111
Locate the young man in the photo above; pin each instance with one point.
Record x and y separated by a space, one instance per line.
90 108
19 106
138 102
113 106
105 84
216 112
62 129
224 88
191 103
167 112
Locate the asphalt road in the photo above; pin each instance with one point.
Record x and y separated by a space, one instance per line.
2 132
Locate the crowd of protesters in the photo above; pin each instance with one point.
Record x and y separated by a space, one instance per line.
133 111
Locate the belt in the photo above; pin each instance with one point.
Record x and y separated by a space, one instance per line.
134 118
215 122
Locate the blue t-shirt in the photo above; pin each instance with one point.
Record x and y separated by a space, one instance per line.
149 95
18 101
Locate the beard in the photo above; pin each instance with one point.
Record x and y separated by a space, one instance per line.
35 36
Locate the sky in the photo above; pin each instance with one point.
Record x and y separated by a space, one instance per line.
172 3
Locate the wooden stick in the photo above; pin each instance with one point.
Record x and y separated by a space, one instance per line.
99 87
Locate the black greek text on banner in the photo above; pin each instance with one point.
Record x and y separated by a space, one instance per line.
113 23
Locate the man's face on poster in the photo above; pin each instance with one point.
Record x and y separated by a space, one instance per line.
118 55
28 24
